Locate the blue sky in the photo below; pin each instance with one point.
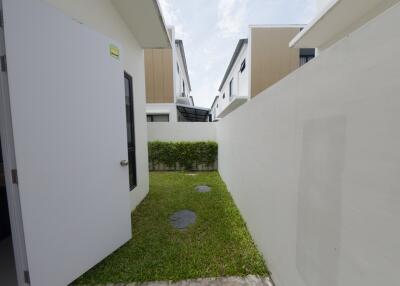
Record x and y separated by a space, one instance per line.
210 30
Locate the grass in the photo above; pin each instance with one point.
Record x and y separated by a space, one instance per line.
218 244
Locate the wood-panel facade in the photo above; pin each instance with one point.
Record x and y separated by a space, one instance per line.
159 75
271 57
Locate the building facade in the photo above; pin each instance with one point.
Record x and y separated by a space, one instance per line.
168 85
214 109
259 62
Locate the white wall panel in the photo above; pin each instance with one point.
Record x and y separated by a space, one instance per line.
314 164
182 131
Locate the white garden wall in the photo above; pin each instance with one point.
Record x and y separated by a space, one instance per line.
313 163
181 131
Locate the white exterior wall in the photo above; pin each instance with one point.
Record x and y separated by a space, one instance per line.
106 20
317 179
163 108
182 131
240 80
181 76
214 109
176 75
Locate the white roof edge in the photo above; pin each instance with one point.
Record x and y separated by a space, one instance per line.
314 22
160 14
156 112
337 20
277 25
145 21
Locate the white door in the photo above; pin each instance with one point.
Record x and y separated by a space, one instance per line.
69 125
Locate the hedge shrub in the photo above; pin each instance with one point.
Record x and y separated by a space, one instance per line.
187 155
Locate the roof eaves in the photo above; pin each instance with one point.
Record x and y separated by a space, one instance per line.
162 20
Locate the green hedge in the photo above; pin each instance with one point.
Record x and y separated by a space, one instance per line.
188 155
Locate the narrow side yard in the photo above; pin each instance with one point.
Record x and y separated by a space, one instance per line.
217 244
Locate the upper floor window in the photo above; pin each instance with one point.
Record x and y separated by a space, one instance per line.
306 55
183 87
223 96
243 66
177 67
231 88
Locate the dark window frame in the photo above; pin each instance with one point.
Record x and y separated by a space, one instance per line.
306 55
243 66
151 116
231 88
132 146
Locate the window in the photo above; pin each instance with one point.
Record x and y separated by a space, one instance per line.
223 96
177 67
183 88
231 88
130 124
158 118
306 55
243 66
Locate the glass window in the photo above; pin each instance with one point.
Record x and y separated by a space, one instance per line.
158 118
243 65
130 127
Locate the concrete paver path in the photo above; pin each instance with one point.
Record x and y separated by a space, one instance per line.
250 280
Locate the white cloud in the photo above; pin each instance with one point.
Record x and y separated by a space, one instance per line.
231 16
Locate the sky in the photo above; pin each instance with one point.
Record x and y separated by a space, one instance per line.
210 30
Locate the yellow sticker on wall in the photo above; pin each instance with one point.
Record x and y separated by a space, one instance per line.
114 52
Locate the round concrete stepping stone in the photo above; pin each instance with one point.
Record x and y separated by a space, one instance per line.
182 219
203 189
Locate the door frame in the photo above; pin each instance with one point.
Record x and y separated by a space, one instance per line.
9 162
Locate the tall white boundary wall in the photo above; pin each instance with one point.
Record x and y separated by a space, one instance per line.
313 164
181 131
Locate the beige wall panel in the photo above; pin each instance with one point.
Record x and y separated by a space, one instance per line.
168 76
159 76
271 57
149 74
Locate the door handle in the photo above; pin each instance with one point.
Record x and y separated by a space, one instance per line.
124 163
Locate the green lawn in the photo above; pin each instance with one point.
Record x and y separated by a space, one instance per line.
218 244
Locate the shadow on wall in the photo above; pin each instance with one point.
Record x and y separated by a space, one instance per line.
319 200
